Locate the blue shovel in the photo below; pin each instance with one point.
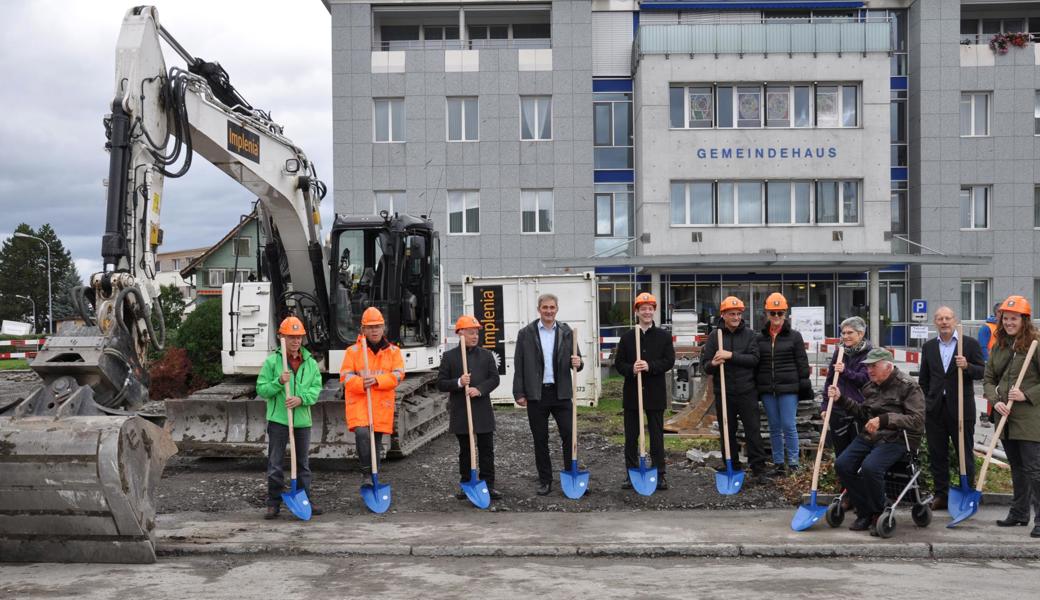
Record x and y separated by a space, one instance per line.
376 495
574 482
966 505
295 499
808 514
644 479
475 489
963 500
729 482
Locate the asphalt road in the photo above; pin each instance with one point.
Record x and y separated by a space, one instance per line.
509 579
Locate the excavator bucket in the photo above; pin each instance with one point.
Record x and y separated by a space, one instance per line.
80 488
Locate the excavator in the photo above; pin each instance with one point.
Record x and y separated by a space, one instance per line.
79 459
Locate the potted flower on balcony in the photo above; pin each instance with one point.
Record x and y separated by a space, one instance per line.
1002 42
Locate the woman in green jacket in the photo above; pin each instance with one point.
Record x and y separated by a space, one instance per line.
305 378
1015 332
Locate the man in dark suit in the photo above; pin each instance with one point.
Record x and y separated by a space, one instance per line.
656 359
542 382
940 367
479 382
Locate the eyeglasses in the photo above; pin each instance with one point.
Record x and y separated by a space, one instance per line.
776 313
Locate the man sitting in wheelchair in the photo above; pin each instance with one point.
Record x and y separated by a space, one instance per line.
892 404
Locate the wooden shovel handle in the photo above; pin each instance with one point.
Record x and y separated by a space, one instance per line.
1003 419
371 421
725 414
289 415
574 397
960 402
469 408
639 391
826 423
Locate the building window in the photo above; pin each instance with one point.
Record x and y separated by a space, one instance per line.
241 275
693 203
1036 213
536 208
463 211
900 208
837 202
974 114
788 202
455 301
612 130
462 120
389 119
975 207
614 210
740 202
975 299
796 105
979 31
898 128
535 117
1036 114
215 277
241 246
392 202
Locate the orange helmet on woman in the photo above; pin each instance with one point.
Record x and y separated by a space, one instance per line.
467 322
371 316
732 303
1016 304
776 301
291 326
645 298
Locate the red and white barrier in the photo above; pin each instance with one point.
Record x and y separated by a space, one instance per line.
20 344
38 342
13 355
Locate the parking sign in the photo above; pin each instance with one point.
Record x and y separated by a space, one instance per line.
919 310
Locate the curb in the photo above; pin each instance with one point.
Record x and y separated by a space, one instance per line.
924 550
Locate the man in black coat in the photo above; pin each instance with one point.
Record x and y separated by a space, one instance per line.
542 382
479 382
739 352
940 367
657 357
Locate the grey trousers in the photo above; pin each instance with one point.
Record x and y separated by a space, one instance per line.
1024 458
364 450
277 440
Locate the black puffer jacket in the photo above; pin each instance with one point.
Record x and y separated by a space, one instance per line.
782 362
740 370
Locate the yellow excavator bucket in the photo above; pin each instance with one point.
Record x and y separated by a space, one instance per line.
80 488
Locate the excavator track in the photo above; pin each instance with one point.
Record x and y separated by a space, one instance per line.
229 420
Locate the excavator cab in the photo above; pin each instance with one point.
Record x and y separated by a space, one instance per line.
392 263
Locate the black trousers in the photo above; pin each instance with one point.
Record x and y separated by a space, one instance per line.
538 413
940 429
277 440
1024 458
364 449
655 433
842 429
744 408
485 457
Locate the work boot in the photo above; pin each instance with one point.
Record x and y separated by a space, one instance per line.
1010 521
495 494
777 471
862 523
544 488
366 477
939 502
272 512
626 483
315 511
762 472
1035 533
662 483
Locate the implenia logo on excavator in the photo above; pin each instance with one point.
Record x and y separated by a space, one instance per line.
243 142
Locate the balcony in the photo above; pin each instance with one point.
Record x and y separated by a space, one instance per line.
764 38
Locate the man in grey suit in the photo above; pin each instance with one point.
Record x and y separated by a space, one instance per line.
542 382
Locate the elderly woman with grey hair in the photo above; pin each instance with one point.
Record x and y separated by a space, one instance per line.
853 377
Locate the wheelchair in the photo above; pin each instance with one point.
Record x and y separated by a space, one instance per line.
901 483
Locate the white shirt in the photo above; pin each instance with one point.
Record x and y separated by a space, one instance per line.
947 350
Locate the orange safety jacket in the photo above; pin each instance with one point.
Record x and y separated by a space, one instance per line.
387 366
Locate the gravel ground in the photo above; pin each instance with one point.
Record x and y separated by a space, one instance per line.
427 480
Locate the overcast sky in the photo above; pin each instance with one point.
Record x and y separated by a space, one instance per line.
57 67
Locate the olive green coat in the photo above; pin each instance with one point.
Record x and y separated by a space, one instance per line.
1002 371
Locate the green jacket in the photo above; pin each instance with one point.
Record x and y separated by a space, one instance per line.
305 383
1002 371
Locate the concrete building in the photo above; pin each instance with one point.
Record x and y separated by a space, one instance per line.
700 148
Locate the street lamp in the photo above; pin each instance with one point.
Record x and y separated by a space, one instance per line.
50 312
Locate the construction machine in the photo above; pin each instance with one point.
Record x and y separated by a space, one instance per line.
79 460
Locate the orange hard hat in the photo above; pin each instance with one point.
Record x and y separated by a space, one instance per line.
645 298
371 316
776 301
466 322
292 326
732 303
1016 304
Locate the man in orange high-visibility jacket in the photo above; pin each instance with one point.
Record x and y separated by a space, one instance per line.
385 372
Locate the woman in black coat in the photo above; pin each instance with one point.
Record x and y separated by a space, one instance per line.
782 372
481 380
